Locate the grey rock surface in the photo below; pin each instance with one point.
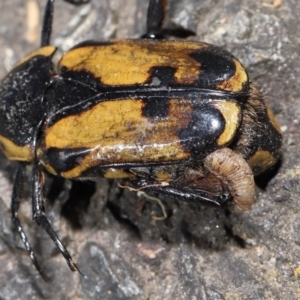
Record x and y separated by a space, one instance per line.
197 252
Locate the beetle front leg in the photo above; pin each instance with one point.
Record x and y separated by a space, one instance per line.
155 18
39 215
48 20
15 203
47 24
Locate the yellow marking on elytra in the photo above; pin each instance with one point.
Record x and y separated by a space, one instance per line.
231 112
261 160
237 82
272 118
49 168
117 132
130 62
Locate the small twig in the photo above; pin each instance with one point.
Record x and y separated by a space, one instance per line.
163 183
275 4
140 194
33 17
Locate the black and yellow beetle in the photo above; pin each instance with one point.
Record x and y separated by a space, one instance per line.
173 117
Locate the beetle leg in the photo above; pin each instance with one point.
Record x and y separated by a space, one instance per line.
48 20
155 17
78 2
191 195
47 24
182 191
15 203
39 215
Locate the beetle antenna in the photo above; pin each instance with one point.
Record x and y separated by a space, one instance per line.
47 23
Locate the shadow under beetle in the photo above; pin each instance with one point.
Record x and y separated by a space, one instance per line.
179 118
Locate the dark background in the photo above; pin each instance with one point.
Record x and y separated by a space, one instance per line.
196 252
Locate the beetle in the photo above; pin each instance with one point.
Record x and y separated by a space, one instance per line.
174 117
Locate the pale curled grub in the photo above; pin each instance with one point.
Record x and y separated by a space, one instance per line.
235 172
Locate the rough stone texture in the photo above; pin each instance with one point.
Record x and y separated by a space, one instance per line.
196 252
